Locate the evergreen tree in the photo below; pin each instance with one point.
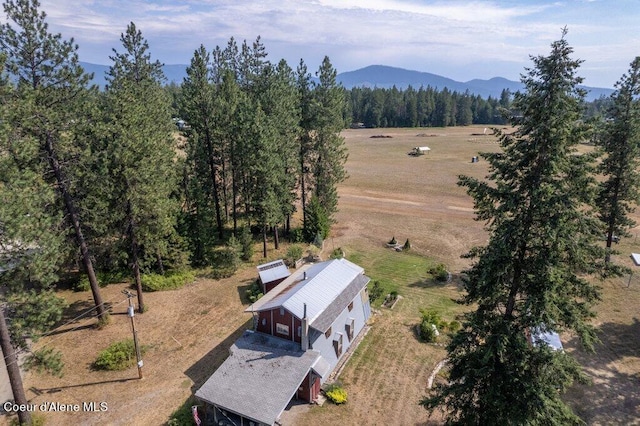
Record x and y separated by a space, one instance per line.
329 150
30 245
52 86
200 110
305 139
620 141
529 277
141 151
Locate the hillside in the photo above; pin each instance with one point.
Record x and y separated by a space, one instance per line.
381 76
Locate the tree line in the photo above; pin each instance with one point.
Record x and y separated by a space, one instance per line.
102 181
431 107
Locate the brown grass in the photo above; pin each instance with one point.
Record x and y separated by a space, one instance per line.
388 194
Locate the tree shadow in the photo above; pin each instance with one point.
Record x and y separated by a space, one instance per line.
242 291
613 397
208 364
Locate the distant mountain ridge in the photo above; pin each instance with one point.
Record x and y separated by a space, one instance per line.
381 76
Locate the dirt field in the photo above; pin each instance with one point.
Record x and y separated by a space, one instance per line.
389 193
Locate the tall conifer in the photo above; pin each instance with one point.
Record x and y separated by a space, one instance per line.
529 278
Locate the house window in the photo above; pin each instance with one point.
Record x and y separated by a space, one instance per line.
350 307
264 321
327 333
337 344
349 326
281 312
282 329
299 331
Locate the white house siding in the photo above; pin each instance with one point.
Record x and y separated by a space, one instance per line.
360 313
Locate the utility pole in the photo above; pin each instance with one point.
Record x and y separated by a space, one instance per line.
131 313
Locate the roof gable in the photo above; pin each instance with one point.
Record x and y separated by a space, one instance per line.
259 378
322 290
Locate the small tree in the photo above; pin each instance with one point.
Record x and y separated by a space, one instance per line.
246 242
318 222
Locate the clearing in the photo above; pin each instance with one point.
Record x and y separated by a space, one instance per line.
389 193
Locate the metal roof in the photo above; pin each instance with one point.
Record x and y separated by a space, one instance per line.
273 271
259 378
324 285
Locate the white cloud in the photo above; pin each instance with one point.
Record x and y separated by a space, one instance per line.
453 35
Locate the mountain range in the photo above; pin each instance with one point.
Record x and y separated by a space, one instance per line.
382 76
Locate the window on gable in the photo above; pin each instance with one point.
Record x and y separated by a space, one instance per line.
327 333
350 307
337 344
281 312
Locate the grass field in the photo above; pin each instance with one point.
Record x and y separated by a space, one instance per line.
388 194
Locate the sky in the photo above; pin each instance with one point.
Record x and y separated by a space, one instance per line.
459 39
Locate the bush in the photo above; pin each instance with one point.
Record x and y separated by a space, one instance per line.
393 241
296 235
431 322
407 245
294 253
104 279
454 326
254 292
119 356
336 394
439 272
375 292
337 253
171 281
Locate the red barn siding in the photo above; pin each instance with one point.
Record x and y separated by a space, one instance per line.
267 287
268 320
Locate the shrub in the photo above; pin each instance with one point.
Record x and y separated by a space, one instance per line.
454 326
431 321
336 394
104 279
254 292
294 253
337 253
296 235
439 272
393 240
45 360
119 356
171 281
375 292
407 245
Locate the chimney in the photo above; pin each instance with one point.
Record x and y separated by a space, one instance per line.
304 277
304 339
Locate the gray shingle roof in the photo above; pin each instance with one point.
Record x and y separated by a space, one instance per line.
331 312
259 378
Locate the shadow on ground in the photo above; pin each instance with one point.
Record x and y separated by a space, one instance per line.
208 364
614 395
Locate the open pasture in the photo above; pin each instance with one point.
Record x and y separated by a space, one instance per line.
388 193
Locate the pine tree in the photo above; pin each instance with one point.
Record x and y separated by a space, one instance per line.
52 86
141 152
30 244
537 203
620 141
329 150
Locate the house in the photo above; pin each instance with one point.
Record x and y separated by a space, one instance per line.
271 274
303 328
